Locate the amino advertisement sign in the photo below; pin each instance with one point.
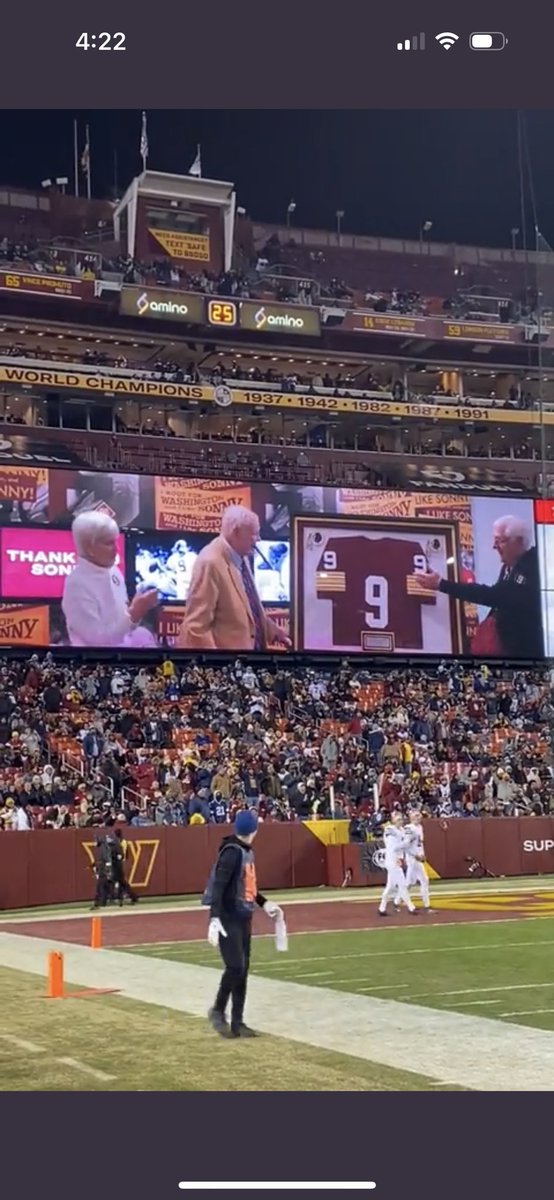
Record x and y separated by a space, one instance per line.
280 318
335 570
162 304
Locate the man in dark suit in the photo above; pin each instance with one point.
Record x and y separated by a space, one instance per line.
513 627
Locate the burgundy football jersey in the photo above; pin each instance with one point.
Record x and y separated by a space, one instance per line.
366 580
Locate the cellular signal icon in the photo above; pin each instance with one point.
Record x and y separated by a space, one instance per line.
446 40
413 43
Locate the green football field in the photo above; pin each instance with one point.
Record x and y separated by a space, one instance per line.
505 969
462 999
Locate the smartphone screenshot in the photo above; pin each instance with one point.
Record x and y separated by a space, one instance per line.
276 601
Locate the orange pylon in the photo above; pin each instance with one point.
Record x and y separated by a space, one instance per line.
54 986
96 933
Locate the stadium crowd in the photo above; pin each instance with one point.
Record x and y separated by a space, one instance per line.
96 745
261 276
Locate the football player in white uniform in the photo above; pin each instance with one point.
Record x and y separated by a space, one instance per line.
180 564
415 857
396 844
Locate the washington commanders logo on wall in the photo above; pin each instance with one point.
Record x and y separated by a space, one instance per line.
141 858
372 856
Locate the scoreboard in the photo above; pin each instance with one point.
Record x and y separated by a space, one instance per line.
222 313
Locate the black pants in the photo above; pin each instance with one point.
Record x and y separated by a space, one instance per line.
104 890
123 887
235 952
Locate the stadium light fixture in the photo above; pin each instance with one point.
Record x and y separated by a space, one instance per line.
290 210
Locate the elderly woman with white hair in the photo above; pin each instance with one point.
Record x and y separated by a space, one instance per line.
95 602
223 609
513 625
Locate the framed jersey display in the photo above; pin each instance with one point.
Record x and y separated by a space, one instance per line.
356 586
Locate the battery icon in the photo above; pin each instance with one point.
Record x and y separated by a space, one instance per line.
487 41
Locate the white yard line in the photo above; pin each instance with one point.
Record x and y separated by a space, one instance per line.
508 987
290 962
29 1047
469 1051
86 1070
382 987
314 975
526 1012
467 1003
33 1048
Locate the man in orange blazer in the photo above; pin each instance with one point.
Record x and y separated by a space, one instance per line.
223 610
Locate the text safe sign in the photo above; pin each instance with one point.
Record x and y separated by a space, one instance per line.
36 562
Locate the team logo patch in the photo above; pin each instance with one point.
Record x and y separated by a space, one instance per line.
223 396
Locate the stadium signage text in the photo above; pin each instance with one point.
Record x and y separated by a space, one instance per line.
434 327
546 844
426 476
280 318
51 285
23 624
30 377
366 322
19 450
193 246
42 562
162 304
277 320
144 306
17 631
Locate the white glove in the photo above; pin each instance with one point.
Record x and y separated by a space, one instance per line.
215 931
273 910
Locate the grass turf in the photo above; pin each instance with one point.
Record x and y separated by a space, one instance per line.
146 1048
499 970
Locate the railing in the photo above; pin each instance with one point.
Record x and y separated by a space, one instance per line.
74 762
131 793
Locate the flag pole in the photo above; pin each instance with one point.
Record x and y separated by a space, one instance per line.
76 154
144 142
88 165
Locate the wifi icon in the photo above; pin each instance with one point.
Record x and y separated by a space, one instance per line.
446 40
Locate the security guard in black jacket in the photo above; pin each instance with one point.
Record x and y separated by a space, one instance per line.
232 894
104 870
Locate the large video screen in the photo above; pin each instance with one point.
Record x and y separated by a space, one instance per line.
544 515
208 565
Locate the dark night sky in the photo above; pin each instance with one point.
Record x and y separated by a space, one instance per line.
389 171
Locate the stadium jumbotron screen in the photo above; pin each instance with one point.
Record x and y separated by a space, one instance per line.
332 570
